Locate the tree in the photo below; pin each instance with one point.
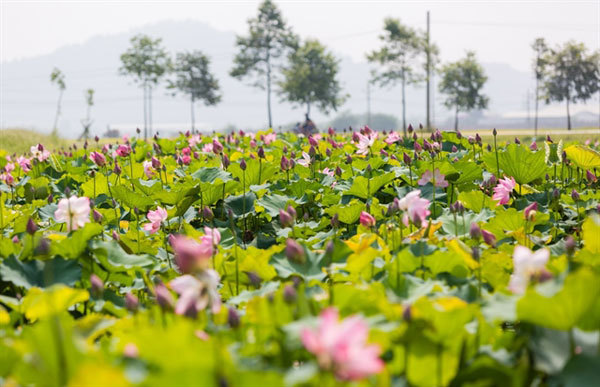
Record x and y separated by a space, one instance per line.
58 78
193 78
87 121
311 78
540 48
572 75
147 62
462 83
269 40
401 46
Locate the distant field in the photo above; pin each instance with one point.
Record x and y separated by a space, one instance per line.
20 140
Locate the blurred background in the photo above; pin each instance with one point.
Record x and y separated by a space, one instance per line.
84 41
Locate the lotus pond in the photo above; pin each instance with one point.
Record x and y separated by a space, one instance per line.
363 259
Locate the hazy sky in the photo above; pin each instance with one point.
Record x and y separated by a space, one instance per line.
499 31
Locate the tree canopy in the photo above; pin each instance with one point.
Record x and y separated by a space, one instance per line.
311 78
462 83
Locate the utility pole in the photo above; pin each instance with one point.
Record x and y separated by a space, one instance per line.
368 103
428 71
528 108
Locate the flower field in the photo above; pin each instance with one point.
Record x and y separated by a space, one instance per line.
342 258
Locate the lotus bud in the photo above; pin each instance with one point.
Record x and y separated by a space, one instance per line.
590 176
117 169
243 165
50 198
555 193
285 219
549 139
575 196
407 313
97 216
96 138
488 238
328 152
31 227
312 141
207 213
489 148
233 318
335 221
312 151
261 152
253 278
530 211
475 253
454 149
131 302
471 140
495 132
289 294
338 171
570 245
97 286
417 147
369 169
15 239
285 149
475 231
367 219
458 134
348 159
115 236
294 252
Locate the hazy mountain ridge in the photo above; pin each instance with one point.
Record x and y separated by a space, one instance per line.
29 100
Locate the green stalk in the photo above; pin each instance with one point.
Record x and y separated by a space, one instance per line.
496 151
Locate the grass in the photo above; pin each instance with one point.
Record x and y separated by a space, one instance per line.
20 140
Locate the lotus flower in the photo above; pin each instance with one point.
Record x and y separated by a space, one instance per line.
527 264
305 160
341 346
24 163
367 219
39 152
148 169
156 218
98 158
123 150
269 138
392 138
365 142
74 211
416 208
189 254
196 293
503 189
440 180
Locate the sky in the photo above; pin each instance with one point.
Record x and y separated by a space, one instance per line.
498 31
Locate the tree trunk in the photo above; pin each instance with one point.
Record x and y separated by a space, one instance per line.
55 126
535 120
308 109
150 109
192 112
145 111
456 119
269 88
568 115
403 105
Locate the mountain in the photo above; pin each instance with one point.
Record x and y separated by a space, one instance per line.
28 99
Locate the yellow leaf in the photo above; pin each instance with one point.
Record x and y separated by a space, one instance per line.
56 237
4 316
591 233
583 156
93 373
464 251
40 303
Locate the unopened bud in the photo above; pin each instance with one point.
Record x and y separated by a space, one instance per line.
294 252
31 227
475 231
233 318
131 302
97 286
207 213
289 294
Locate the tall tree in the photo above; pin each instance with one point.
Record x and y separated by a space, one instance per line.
401 46
432 59
462 83
311 78
193 78
87 121
147 62
572 75
58 78
540 48
269 40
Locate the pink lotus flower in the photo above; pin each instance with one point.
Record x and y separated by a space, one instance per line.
342 346
530 211
211 236
367 219
416 208
328 172
429 176
207 148
98 159
217 146
156 218
392 138
39 152
365 142
305 160
74 211
533 146
503 189
196 293
148 169
24 163
7 178
527 264
9 167
189 254
269 138
123 150
195 139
